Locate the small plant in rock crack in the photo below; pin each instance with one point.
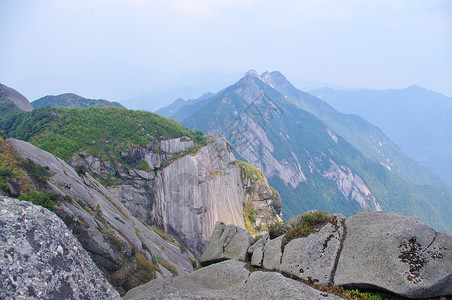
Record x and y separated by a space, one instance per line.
308 223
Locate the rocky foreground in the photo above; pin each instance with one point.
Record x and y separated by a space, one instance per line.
41 259
379 251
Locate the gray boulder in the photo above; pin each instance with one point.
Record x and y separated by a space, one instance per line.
41 259
313 257
400 254
227 242
272 254
227 280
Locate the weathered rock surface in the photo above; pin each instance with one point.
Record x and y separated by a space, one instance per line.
227 280
41 259
313 258
189 195
272 254
400 254
227 242
127 251
257 251
11 95
370 250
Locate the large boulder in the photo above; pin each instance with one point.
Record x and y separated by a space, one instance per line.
227 242
313 257
227 280
41 259
383 250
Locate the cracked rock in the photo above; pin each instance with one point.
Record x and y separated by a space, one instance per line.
400 254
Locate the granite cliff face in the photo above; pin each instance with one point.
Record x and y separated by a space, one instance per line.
186 194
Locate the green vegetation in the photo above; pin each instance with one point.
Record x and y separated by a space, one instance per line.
251 171
64 132
38 198
38 174
276 229
353 294
306 224
169 266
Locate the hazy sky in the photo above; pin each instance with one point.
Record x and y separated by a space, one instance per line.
116 49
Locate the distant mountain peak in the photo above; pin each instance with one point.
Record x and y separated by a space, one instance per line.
276 79
252 72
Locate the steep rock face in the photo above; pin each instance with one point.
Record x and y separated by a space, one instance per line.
297 152
227 280
314 156
395 253
41 259
128 251
183 191
10 95
352 186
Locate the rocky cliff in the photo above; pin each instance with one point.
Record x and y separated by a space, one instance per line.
314 156
128 251
184 190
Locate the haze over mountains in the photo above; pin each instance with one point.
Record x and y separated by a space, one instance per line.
418 120
313 155
142 194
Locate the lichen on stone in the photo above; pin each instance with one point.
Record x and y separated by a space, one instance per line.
412 254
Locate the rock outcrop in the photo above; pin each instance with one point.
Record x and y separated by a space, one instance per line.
41 259
227 242
227 280
379 251
128 251
185 191
395 253
10 95
313 258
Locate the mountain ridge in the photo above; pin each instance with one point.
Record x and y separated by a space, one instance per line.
302 157
417 119
72 100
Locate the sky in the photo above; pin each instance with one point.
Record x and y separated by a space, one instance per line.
118 49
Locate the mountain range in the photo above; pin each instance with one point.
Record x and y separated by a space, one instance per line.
143 195
418 120
314 156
